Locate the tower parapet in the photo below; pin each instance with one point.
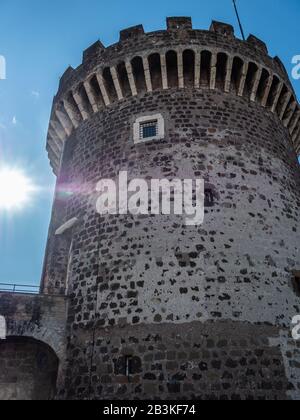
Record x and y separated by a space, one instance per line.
177 58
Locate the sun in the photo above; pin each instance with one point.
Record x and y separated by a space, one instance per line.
16 189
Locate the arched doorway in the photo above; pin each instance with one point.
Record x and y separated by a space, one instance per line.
28 370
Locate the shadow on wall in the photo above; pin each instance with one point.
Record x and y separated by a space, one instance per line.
28 370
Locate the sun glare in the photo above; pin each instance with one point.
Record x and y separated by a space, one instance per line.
15 189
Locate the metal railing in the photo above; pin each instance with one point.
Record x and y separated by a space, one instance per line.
19 288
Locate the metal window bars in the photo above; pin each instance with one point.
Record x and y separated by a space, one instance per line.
148 129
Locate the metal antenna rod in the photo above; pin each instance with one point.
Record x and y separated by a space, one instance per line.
239 20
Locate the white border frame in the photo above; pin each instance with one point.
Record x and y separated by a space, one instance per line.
145 119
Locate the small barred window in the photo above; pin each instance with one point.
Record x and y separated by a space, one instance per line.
149 128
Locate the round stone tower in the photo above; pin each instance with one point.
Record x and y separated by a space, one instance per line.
158 309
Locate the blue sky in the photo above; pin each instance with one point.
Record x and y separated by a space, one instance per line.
40 38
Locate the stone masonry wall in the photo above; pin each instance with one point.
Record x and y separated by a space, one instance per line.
248 244
155 272
204 361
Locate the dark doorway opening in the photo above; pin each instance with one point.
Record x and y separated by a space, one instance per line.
28 370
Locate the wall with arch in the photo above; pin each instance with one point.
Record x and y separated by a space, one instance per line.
28 370
33 354
38 317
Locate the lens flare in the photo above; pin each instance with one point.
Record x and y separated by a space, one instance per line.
16 189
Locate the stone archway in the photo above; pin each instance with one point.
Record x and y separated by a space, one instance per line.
28 370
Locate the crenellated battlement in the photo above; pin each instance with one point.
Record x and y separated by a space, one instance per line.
177 58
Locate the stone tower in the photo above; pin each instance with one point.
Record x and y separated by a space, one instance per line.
155 308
